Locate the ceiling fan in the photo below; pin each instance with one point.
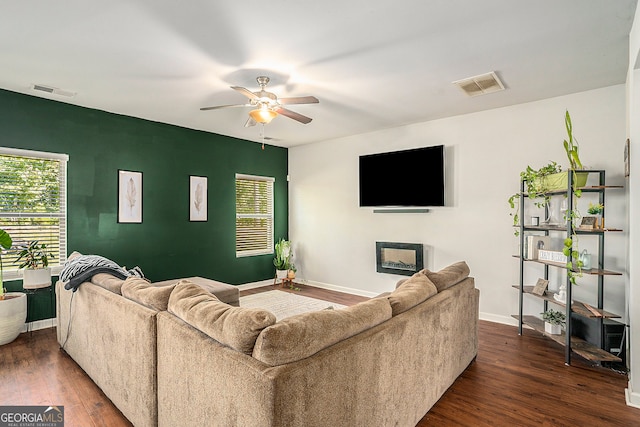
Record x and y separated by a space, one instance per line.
267 105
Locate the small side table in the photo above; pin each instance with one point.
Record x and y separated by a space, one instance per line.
287 281
32 291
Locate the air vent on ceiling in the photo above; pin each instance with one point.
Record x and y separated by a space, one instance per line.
53 90
479 85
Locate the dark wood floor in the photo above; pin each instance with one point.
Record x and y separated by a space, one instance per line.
515 381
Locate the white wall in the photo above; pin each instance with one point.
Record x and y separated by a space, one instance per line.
633 295
334 239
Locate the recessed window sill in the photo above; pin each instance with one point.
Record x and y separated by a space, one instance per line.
17 274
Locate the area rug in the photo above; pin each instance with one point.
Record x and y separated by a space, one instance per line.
285 304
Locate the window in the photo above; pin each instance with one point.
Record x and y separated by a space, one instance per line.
33 187
254 215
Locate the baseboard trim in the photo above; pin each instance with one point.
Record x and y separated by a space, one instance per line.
254 285
337 288
631 398
39 324
497 318
321 285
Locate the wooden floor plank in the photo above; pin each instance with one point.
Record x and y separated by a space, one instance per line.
515 381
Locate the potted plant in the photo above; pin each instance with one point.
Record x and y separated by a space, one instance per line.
536 187
5 243
34 258
13 305
559 180
282 259
538 183
553 321
597 210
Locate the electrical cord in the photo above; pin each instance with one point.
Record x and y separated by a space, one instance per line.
69 324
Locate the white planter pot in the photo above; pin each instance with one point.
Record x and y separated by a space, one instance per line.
552 329
281 274
36 279
13 314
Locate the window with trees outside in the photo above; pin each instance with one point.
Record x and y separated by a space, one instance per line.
254 215
33 188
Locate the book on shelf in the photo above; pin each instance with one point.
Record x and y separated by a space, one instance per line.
533 244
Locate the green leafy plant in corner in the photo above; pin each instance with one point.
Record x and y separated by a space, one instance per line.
554 317
5 243
283 255
33 255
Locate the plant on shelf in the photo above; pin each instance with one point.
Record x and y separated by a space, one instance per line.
34 258
5 243
554 317
598 211
538 184
536 187
595 209
553 321
571 243
571 146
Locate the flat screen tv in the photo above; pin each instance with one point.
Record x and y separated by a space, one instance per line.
407 178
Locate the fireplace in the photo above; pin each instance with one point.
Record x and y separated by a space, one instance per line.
399 258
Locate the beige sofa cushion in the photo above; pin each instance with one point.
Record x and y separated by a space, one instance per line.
411 292
235 327
108 282
142 292
303 335
448 276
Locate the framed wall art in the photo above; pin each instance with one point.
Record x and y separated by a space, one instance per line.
197 198
588 223
626 158
129 196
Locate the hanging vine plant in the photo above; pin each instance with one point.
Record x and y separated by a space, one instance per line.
537 189
571 243
537 185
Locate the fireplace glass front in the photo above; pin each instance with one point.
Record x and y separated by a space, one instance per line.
399 258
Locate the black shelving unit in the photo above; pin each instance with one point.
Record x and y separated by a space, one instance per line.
594 350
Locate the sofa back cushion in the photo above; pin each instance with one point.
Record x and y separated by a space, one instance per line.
235 327
411 292
142 292
448 276
108 282
303 335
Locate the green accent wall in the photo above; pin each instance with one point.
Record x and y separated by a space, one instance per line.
166 245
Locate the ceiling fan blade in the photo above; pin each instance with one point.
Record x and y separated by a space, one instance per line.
299 100
246 92
224 106
293 115
250 122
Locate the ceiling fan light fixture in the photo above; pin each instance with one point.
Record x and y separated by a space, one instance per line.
263 115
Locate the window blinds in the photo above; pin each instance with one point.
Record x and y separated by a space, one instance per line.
254 215
33 202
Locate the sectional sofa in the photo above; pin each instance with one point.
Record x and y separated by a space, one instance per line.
180 356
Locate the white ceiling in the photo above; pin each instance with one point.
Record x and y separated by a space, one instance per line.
372 64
